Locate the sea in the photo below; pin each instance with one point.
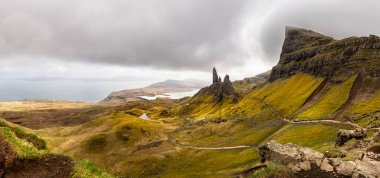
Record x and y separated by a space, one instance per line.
72 90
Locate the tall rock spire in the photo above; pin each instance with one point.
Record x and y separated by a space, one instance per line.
214 76
219 89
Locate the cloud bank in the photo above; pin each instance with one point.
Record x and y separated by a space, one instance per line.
169 34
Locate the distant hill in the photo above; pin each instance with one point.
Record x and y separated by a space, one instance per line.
188 83
159 88
245 85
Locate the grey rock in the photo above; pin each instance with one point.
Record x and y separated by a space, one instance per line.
326 166
344 135
219 89
214 76
376 137
308 162
316 54
346 168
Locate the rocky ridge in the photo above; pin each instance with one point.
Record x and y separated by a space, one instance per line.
313 53
219 89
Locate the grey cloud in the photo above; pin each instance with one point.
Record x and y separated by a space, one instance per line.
171 34
192 34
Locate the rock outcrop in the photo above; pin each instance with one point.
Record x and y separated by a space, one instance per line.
343 136
306 162
313 53
219 89
376 137
14 165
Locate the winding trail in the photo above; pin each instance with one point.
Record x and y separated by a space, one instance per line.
304 122
174 142
273 110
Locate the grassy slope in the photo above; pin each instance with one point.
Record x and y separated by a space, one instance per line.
318 136
100 142
331 102
21 140
367 104
294 90
287 95
109 141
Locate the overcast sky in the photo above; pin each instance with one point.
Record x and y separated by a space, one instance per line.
160 39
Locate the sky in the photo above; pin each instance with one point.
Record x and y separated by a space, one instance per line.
134 43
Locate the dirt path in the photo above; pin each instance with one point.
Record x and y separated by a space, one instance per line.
215 148
306 122
272 109
174 142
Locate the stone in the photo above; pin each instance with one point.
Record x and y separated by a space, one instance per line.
344 135
342 154
214 76
312 155
304 161
305 165
325 166
367 168
346 168
376 137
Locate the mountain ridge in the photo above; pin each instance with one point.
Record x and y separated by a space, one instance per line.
310 52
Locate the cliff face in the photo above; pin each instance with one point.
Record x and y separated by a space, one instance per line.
313 53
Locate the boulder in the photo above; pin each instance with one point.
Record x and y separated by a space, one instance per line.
306 162
343 136
376 137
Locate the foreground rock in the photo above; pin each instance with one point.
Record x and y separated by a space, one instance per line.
344 135
306 162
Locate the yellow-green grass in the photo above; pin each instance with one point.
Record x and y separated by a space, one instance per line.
32 105
111 142
271 170
208 163
228 133
287 95
366 105
243 86
330 102
24 133
85 169
23 148
204 108
318 136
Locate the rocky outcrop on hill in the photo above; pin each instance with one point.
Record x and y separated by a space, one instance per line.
49 166
306 162
344 135
310 52
160 88
376 137
219 89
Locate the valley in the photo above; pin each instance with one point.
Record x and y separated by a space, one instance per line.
323 96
